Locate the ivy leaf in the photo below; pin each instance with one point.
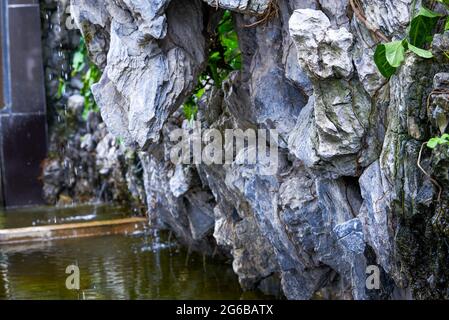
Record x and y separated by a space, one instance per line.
78 62
380 58
432 144
420 52
395 53
190 110
422 26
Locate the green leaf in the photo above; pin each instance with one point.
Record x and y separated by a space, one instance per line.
395 53
190 110
422 26
432 144
445 137
200 92
78 62
382 63
230 44
428 13
224 56
61 88
446 25
420 52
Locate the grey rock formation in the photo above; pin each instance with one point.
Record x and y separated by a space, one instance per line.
86 164
161 70
245 6
348 191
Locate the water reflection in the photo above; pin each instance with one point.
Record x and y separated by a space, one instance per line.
39 216
143 266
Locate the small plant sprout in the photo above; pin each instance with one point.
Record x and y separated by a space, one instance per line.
434 142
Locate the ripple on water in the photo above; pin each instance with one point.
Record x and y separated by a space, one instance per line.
142 266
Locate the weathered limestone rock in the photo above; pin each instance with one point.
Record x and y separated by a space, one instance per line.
322 50
88 164
244 6
347 192
341 107
147 75
375 214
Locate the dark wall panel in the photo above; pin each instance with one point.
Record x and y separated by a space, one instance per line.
24 147
27 91
23 123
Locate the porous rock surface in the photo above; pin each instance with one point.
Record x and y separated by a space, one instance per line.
347 193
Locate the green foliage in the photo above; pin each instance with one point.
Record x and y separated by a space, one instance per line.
190 109
420 52
389 56
90 74
224 57
394 53
79 59
381 61
61 88
434 142
422 26
224 52
91 77
230 43
79 63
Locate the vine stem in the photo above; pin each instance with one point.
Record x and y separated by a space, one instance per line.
440 189
272 11
360 15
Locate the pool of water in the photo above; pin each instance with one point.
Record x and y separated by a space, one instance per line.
39 216
147 265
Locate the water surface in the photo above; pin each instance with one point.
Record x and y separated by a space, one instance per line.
147 265
39 216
